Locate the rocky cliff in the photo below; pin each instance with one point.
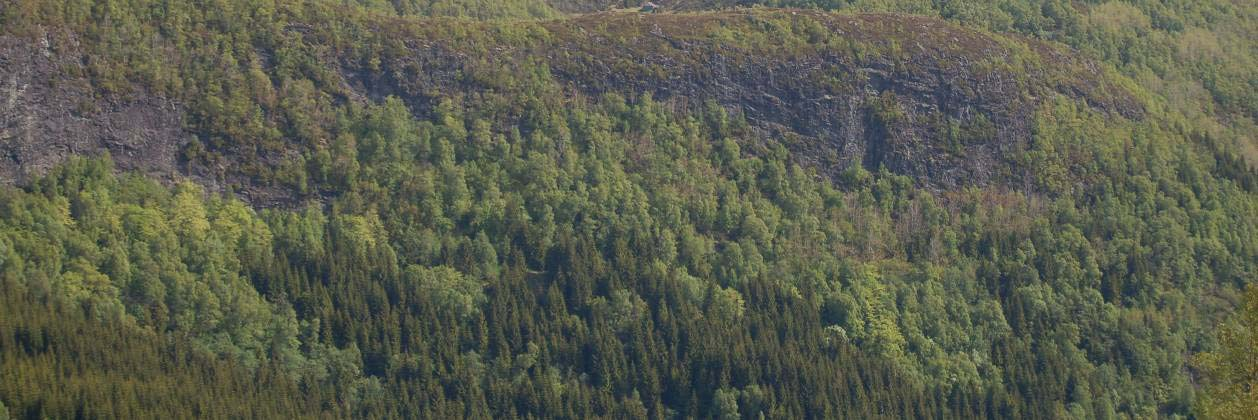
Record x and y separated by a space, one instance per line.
48 114
943 104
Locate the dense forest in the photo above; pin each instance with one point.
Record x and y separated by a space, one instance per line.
506 209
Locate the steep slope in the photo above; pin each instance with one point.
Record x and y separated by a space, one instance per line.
944 105
48 116
748 213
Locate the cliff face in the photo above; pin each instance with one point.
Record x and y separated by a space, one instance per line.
47 115
945 105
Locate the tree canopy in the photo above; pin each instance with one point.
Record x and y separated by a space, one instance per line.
529 252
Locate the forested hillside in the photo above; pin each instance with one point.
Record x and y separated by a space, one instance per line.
466 209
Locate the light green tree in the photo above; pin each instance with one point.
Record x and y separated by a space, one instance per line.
1231 380
725 401
448 288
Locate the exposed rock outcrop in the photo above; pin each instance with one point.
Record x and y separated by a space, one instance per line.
945 105
47 115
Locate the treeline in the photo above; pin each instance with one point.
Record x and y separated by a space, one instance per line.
473 9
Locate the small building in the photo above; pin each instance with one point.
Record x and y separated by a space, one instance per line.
649 7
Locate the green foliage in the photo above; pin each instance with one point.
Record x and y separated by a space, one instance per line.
475 9
1231 377
451 291
61 360
468 259
523 252
1176 47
